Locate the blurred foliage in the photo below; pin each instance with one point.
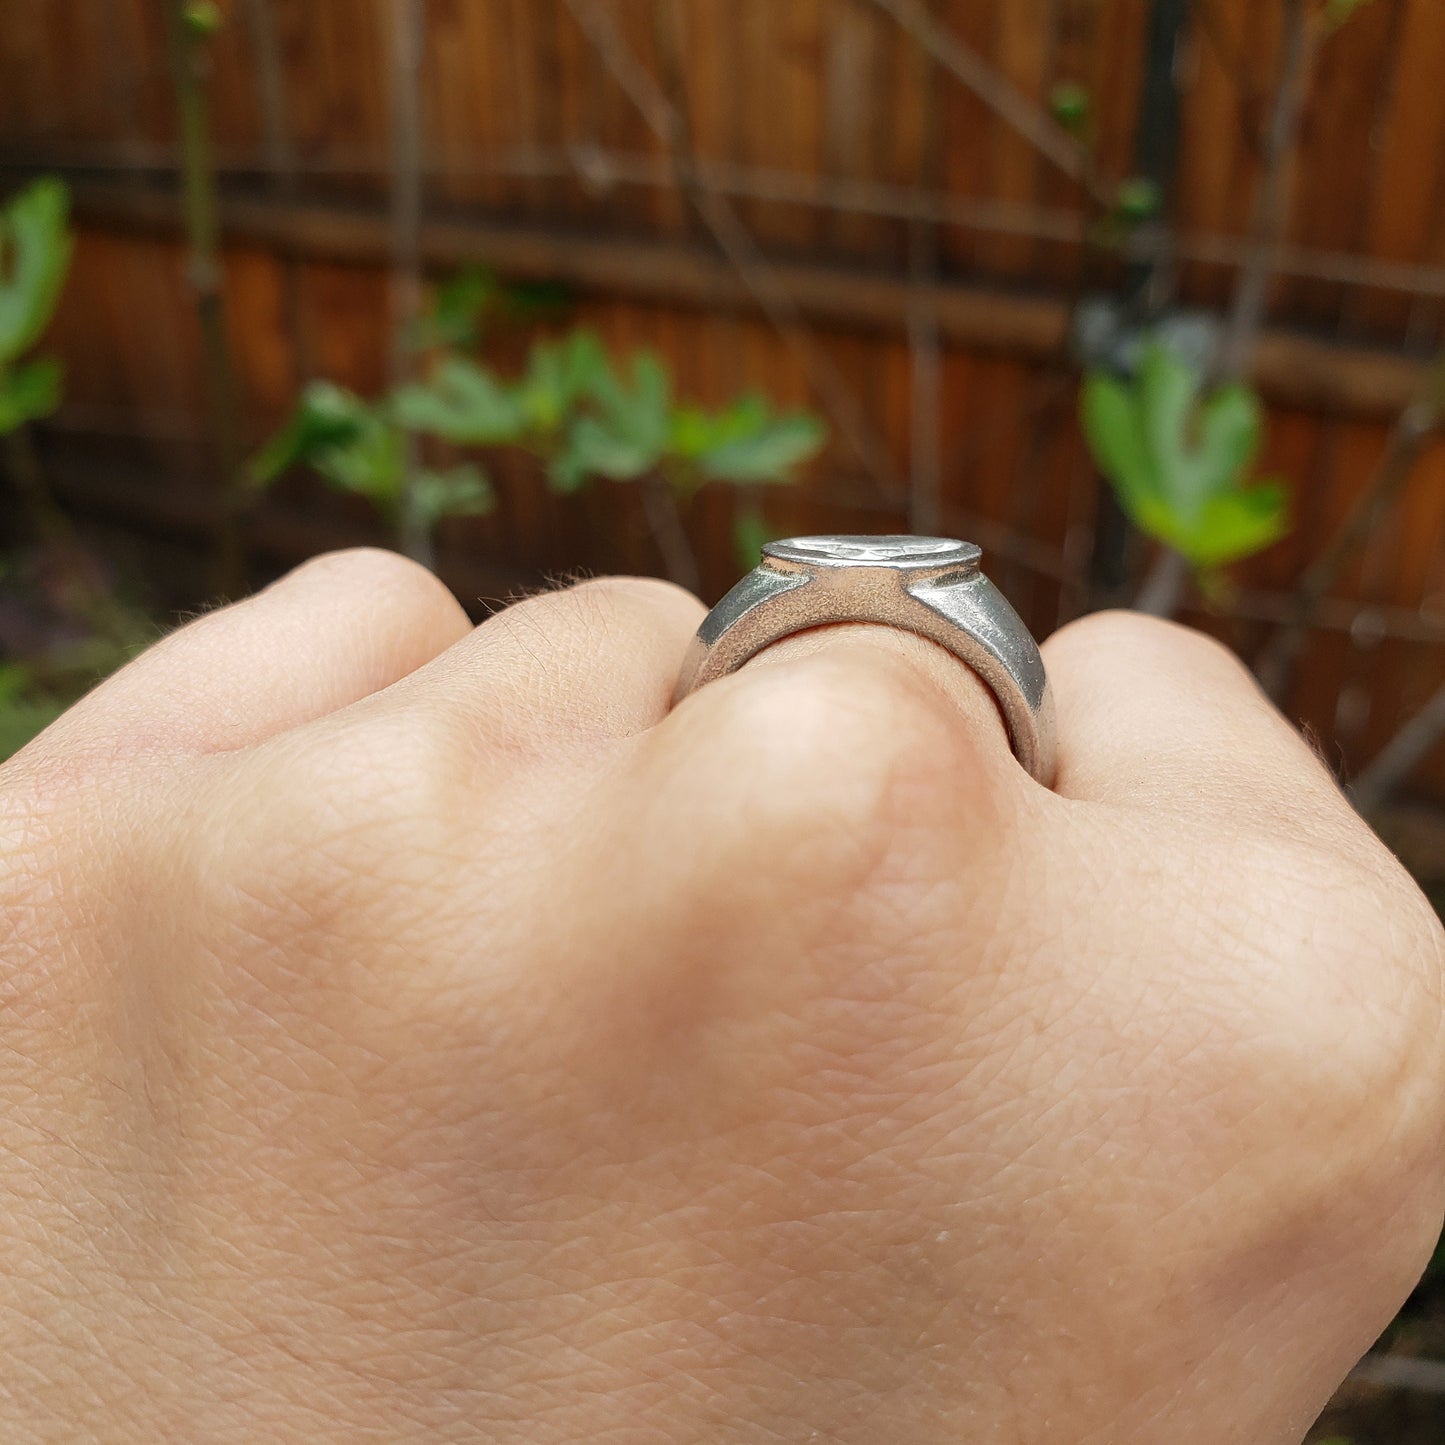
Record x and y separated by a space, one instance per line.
476 301
35 250
203 18
1138 199
1338 12
1072 105
750 533
65 625
81 628
1178 459
574 409
24 710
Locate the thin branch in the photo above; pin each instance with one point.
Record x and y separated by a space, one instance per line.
1413 428
925 394
406 205
664 520
282 167
609 167
1164 590
735 242
1272 195
1232 59
271 96
84 579
47 519
189 61
1400 756
1403 1372
1049 138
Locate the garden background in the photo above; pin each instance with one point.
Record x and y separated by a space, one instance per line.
1145 296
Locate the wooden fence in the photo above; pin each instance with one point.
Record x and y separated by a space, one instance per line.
858 205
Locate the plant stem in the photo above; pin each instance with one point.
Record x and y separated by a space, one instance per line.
925 392
271 96
1164 588
664 520
188 62
88 593
1149 288
414 534
736 243
1413 428
994 90
1400 756
50 523
1272 196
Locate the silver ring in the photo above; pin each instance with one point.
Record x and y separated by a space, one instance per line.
928 585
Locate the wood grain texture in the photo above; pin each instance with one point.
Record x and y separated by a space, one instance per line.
521 117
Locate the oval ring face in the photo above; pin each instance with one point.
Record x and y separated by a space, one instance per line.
875 551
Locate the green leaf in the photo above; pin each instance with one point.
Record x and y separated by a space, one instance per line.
593 449
1166 395
750 533
1238 524
202 17
372 465
695 432
460 491
559 374
327 416
29 391
769 453
535 301
1138 200
1178 463
641 412
462 403
1116 438
1231 430
1072 106
457 309
1340 12
350 444
627 437
35 250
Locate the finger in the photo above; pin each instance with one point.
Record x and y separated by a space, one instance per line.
594 661
847 761
338 628
1154 714
918 673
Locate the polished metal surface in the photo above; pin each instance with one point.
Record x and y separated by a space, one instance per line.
928 585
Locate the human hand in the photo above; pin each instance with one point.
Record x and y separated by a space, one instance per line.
414 1031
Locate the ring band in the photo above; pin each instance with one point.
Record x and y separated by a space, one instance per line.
931 586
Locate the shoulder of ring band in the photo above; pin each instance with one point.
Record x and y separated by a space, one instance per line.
932 586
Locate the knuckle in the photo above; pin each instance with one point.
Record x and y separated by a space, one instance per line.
374 571
610 604
621 590
844 759
1144 641
373 565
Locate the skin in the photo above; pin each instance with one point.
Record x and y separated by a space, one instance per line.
413 1031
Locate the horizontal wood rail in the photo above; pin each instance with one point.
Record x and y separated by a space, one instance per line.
1291 368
